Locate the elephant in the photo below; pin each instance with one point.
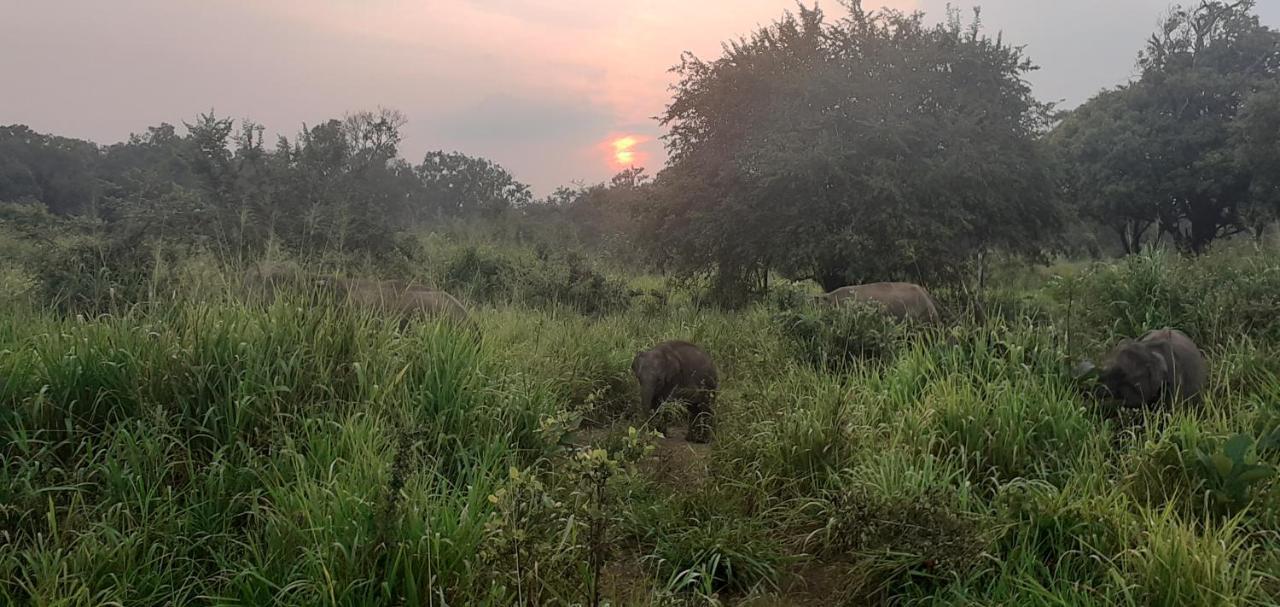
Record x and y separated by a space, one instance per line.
263 280
679 370
902 300
1163 365
395 296
403 299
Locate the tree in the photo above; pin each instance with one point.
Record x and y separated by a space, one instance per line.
339 186
459 185
872 148
344 186
374 137
56 171
1166 150
1257 137
1107 171
602 216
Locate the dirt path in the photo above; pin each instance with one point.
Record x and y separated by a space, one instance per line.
675 462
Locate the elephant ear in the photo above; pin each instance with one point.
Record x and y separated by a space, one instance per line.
1124 345
635 362
1158 377
1171 379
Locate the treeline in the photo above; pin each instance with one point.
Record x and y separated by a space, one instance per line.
869 147
337 186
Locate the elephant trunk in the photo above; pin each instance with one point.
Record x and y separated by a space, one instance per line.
648 392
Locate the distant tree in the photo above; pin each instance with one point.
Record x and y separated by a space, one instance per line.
872 148
56 171
604 215
210 157
1167 150
345 185
374 136
160 152
339 186
1257 135
459 185
1107 173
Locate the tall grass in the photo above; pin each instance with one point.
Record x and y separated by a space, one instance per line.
199 449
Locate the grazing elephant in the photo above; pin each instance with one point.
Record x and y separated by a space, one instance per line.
263 280
1162 366
397 297
679 370
902 300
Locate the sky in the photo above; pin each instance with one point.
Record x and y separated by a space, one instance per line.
543 87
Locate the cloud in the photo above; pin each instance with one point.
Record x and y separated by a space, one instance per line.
502 118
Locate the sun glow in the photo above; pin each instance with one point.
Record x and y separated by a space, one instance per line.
623 153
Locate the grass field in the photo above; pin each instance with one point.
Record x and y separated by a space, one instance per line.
199 449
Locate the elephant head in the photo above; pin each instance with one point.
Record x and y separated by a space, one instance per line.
648 367
1136 372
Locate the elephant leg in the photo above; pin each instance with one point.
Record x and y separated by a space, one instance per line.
701 423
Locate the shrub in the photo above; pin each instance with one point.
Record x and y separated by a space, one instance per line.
785 296
568 280
903 542
835 337
1214 298
650 302
96 276
1229 476
554 525
480 273
702 543
1069 529
1179 562
1002 431
1202 475
543 280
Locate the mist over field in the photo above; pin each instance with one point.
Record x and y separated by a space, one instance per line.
489 304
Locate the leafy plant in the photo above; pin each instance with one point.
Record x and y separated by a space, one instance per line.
1229 475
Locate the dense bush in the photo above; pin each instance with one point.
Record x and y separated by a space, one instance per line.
510 276
835 337
98 275
1214 298
480 273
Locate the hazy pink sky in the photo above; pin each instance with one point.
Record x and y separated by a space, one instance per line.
539 86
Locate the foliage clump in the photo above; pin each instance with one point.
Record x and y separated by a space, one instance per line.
849 151
836 337
1215 299
566 279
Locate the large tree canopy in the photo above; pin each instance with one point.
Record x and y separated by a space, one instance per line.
461 185
56 171
870 148
1185 148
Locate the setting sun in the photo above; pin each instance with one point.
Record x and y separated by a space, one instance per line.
623 153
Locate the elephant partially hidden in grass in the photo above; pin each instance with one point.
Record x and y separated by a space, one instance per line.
902 300
679 370
1162 366
399 298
